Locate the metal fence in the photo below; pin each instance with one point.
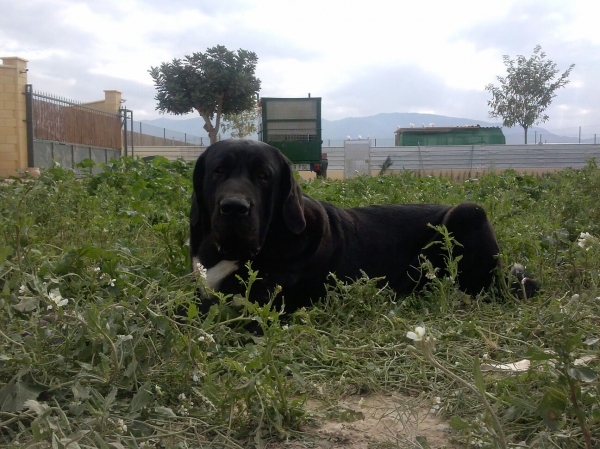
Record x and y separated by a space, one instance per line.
60 120
475 157
439 158
144 134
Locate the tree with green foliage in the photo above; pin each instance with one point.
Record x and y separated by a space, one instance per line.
241 124
527 90
216 82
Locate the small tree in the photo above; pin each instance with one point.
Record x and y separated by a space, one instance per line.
213 83
241 124
526 91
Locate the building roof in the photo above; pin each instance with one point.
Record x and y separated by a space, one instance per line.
440 129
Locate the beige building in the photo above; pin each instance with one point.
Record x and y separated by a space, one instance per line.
15 154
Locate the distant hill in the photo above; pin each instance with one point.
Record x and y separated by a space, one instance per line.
380 126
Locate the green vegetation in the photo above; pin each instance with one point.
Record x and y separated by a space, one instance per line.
214 83
93 354
527 90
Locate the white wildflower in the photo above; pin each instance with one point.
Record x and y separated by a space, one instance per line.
121 426
181 397
22 289
206 337
417 335
431 274
158 390
586 240
57 299
198 269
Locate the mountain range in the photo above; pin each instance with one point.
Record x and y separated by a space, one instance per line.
381 127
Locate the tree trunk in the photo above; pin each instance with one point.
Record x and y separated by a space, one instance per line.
213 134
525 129
210 129
213 130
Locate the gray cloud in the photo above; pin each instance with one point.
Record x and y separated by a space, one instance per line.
37 24
526 24
407 89
64 55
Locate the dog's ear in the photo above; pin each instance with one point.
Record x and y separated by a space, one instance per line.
197 180
194 211
197 215
198 174
293 203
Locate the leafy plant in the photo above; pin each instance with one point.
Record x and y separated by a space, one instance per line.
94 350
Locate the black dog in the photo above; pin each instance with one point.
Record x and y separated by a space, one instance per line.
247 206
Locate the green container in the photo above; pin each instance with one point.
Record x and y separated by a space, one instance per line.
294 126
448 135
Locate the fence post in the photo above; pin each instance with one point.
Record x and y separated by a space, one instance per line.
123 112
132 142
29 122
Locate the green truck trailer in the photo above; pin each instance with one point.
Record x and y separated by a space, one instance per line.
294 126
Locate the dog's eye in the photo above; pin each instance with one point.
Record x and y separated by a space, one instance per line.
218 170
262 176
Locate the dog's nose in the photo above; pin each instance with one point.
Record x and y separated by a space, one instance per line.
236 206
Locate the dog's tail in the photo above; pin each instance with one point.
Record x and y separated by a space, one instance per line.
522 285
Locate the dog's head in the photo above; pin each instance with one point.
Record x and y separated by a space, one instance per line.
242 188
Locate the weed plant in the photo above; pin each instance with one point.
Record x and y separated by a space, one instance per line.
94 270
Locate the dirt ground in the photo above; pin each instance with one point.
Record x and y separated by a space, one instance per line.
373 421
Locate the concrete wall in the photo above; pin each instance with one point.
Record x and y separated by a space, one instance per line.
46 153
13 129
188 153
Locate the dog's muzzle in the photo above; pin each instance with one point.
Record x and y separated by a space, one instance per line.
235 228
234 207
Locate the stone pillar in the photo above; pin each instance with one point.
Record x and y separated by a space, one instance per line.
112 101
13 129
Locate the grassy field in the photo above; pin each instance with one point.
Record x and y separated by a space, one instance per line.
92 353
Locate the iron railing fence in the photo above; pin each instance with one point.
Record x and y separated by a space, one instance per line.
60 120
144 134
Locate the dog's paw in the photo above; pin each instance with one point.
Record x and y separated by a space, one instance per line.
524 286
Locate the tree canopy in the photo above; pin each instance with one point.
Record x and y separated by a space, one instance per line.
241 124
216 82
527 90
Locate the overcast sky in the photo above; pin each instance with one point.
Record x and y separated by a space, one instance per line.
362 57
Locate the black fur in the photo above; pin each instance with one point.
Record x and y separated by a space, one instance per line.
247 206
